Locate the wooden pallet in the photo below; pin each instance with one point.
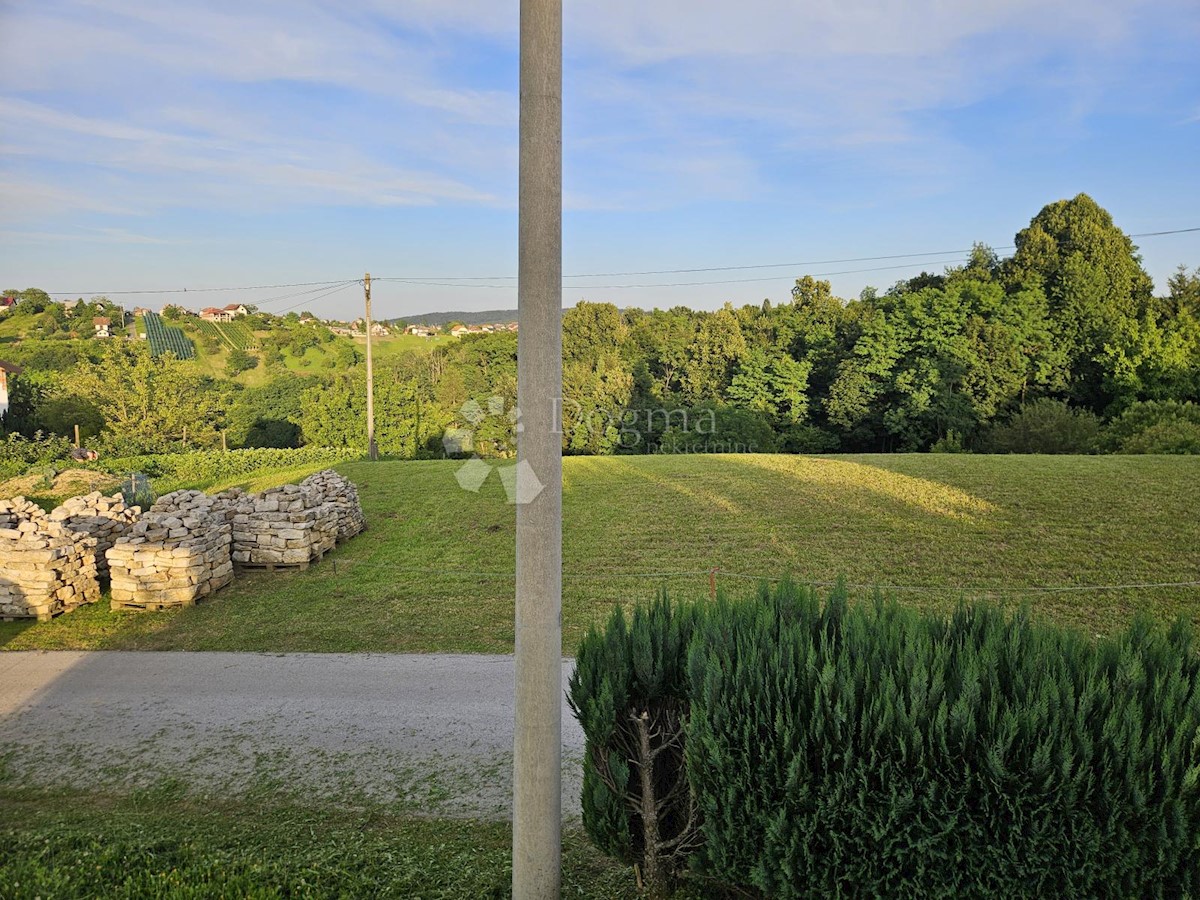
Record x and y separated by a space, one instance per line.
278 567
149 606
40 617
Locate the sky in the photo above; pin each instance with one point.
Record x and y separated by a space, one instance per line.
150 146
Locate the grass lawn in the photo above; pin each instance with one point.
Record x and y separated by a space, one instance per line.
394 345
159 843
434 570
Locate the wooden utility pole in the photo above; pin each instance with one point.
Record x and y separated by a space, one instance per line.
537 746
372 450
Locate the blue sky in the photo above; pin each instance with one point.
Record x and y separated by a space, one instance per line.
155 145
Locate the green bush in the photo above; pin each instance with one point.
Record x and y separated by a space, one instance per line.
1047 426
18 453
1166 426
629 693
878 751
210 466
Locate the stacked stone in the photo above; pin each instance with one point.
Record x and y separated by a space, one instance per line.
178 552
343 495
284 526
45 569
105 519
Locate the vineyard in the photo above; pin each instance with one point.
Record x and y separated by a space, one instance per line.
166 339
233 335
238 335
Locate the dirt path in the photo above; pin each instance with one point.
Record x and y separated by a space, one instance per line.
428 732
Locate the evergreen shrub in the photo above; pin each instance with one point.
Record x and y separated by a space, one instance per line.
878 751
629 693
817 749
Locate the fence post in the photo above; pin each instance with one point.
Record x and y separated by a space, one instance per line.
712 582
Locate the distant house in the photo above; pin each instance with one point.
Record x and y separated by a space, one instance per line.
212 314
458 330
141 310
7 302
344 332
379 330
511 326
103 326
236 309
419 330
7 372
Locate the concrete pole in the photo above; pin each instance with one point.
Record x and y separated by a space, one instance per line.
537 750
372 449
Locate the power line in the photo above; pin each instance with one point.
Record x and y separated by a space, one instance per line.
454 280
811 262
211 290
663 284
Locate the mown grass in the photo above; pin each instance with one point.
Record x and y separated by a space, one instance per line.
434 571
158 843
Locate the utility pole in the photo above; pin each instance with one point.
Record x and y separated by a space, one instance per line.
537 746
372 450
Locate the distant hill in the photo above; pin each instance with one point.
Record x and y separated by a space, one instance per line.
486 317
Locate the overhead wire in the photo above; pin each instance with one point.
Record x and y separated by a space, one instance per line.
925 258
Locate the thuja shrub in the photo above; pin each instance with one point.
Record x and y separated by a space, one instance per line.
629 693
878 751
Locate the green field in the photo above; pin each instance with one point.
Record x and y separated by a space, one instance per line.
381 348
434 570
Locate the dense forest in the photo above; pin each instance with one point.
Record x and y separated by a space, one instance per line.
1062 347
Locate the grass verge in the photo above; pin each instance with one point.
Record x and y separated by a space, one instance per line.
156 843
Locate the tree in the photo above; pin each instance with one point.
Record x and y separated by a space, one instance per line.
772 383
151 400
718 345
239 361
60 415
1094 280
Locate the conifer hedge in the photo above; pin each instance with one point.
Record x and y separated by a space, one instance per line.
878 751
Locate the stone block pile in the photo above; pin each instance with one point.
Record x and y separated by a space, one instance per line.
341 493
45 568
178 552
284 526
104 519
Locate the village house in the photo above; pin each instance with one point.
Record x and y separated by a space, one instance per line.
458 330
212 314
419 330
7 303
236 309
378 330
7 372
103 326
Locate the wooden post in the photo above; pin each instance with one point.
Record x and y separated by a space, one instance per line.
372 450
224 445
77 445
537 746
184 437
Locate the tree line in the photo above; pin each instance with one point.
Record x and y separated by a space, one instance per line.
1061 347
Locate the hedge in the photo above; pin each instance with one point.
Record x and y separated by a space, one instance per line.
880 751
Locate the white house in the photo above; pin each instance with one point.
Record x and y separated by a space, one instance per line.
7 371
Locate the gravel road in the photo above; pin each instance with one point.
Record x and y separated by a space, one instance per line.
429 733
